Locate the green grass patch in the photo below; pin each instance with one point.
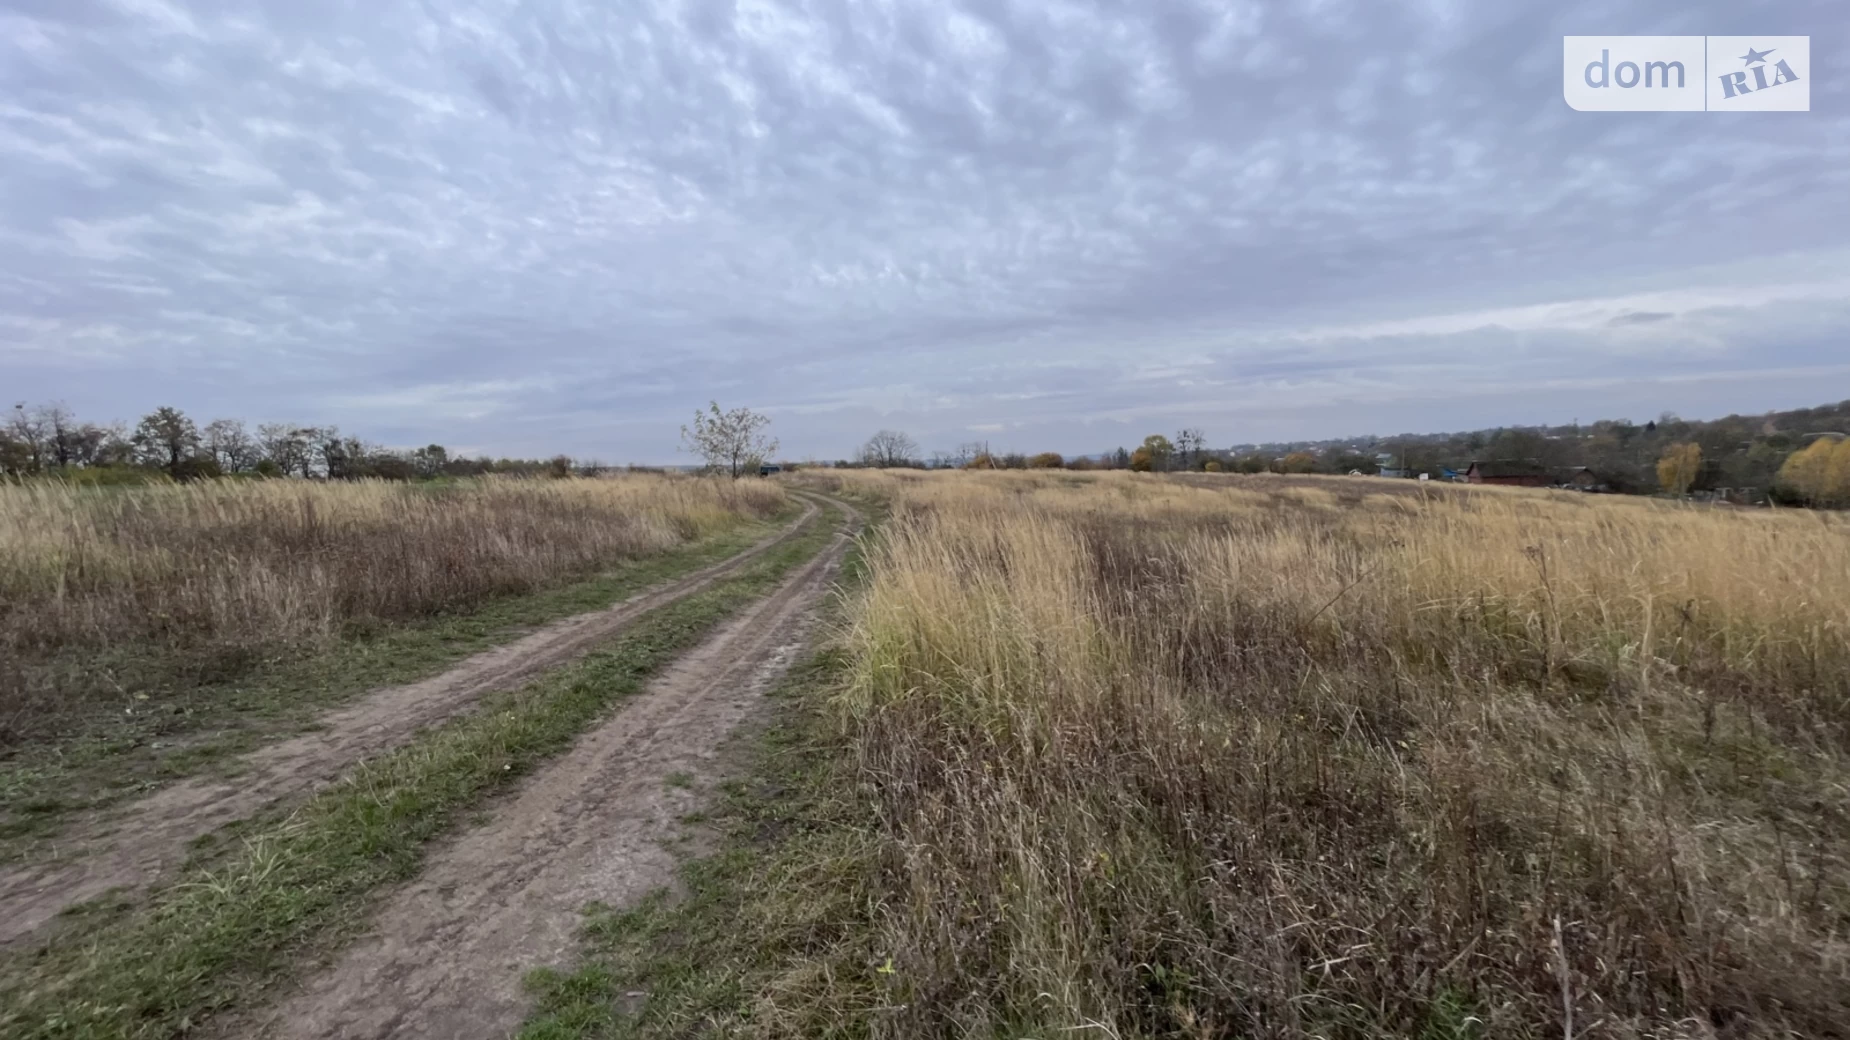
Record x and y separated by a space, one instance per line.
297 884
199 727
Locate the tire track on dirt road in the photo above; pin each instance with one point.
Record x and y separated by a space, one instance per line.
135 845
446 956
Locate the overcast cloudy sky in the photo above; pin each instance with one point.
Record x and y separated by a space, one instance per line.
530 226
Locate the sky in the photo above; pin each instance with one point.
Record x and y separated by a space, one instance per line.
526 227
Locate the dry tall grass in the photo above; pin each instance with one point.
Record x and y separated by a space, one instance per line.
1317 761
228 573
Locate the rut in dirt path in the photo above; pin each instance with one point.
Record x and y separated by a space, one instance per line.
446 956
133 845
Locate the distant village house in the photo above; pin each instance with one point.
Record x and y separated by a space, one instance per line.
1581 478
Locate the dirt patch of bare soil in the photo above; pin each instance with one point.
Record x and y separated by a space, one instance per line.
133 846
446 956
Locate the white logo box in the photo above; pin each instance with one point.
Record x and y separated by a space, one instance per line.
1686 73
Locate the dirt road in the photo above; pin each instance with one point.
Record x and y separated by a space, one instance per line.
446 956
132 846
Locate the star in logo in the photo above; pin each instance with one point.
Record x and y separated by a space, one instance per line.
1754 57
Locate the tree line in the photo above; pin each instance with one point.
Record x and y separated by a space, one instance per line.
1796 457
892 449
51 440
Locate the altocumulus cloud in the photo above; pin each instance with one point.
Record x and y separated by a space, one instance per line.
538 225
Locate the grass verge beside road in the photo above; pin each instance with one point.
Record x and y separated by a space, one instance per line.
302 884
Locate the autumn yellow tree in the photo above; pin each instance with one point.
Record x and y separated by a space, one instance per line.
1677 470
1297 462
1047 460
1820 473
1837 490
1158 451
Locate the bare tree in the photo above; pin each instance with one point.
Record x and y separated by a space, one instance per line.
92 445
85 445
13 456
333 451
60 431
230 444
344 458
729 441
1188 447
50 436
26 430
889 449
287 447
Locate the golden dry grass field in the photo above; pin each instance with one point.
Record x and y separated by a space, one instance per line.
1253 758
108 595
1106 754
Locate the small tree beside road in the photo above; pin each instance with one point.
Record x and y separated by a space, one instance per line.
731 442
